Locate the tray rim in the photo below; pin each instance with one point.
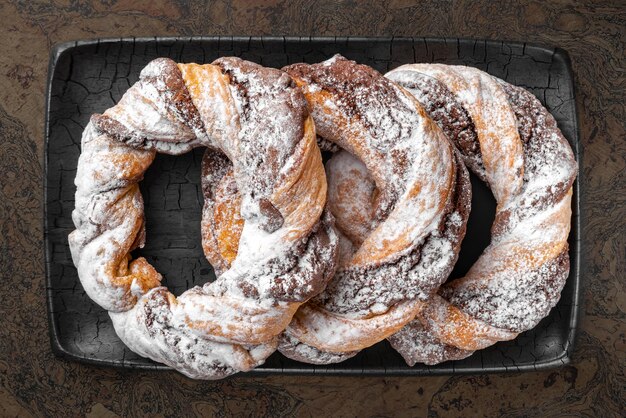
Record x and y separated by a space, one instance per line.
565 356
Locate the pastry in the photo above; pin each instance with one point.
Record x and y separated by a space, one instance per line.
257 119
512 142
401 210
322 284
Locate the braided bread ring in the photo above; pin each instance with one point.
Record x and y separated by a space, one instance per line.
416 174
410 220
530 168
350 190
229 325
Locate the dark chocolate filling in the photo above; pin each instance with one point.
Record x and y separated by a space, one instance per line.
173 92
542 143
442 106
357 87
543 147
315 248
158 318
296 350
394 283
418 345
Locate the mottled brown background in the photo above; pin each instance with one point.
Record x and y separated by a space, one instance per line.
33 382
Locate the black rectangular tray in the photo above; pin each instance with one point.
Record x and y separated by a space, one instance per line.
90 76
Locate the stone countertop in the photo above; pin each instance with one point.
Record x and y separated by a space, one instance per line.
33 382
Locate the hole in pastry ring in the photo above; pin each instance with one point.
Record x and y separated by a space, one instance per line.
408 202
530 168
259 119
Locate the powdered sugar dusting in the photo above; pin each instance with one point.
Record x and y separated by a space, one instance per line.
296 350
519 277
418 345
486 102
414 276
105 184
442 106
383 194
403 151
351 196
150 330
262 266
229 325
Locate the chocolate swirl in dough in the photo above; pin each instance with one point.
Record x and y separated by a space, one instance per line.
258 119
401 198
517 148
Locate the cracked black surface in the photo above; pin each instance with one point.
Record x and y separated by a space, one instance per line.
89 77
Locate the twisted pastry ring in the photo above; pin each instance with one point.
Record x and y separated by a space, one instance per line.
258 118
513 143
405 201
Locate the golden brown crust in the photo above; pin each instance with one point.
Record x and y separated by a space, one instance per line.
253 115
222 224
323 324
530 168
